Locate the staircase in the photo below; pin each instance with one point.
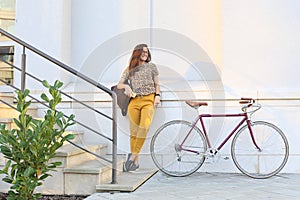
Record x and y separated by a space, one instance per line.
80 172
76 163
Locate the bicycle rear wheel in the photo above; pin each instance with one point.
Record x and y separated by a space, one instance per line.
263 163
177 148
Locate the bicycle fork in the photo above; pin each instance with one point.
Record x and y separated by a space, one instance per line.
252 135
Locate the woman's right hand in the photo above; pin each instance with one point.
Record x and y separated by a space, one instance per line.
128 90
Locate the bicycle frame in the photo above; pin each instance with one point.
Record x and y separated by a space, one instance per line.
200 117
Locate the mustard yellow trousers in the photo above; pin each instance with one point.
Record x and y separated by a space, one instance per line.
141 112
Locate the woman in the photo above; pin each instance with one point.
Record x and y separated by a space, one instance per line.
145 93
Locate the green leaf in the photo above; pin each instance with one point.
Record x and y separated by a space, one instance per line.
11 195
37 122
2 126
29 171
44 176
11 139
53 91
58 100
19 107
26 93
14 169
64 121
59 115
28 120
40 183
59 123
18 123
26 105
69 137
44 97
71 117
57 163
49 112
45 84
58 84
70 124
7 180
6 151
2 139
51 104
37 195
5 170
20 94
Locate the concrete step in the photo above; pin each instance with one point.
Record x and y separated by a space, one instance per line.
78 137
79 173
70 155
8 97
82 179
8 112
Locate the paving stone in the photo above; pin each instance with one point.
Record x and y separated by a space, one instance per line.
217 186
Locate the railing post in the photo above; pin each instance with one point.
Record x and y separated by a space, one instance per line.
114 138
23 70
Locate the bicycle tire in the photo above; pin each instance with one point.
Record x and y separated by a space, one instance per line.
168 158
253 162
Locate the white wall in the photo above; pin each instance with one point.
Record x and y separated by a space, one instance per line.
261 44
46 26
261 59
199 20
252 46
93 22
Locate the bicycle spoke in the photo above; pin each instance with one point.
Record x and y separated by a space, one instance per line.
262 163
174 158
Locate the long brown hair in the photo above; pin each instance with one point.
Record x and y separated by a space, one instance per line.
135 57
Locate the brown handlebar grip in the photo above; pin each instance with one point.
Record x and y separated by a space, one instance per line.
248 99
244 102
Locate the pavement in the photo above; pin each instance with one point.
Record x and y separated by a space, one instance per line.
216 186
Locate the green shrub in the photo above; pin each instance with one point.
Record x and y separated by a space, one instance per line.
32 144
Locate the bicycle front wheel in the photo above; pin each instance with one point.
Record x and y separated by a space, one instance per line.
266 161
177 148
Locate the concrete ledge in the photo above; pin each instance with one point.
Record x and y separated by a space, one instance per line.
128 182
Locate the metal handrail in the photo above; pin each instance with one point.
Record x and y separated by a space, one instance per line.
81 76
76 100
32 97
39 80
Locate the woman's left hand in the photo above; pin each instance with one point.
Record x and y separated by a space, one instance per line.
156 101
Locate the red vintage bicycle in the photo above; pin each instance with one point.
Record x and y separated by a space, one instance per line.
259 149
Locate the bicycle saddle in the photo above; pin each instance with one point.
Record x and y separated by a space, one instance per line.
196 104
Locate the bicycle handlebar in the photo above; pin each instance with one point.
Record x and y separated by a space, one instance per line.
249 102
